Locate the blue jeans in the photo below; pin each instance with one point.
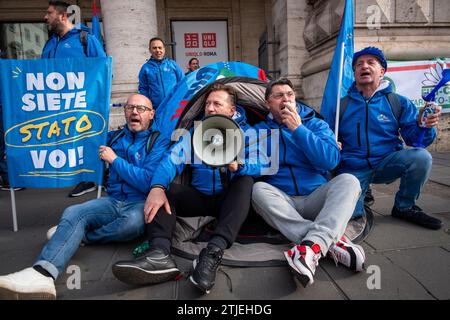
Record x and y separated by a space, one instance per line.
100 221
412 166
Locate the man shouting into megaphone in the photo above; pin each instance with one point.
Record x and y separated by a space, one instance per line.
207 195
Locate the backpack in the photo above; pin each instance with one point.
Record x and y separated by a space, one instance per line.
394 103
83 40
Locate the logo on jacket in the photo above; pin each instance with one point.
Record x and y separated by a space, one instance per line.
137 156
67 45
382 118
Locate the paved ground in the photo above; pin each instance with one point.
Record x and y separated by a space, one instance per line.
412 262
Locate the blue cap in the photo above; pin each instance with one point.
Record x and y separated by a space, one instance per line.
372 51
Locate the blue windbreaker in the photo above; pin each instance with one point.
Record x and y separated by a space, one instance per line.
158 78
131 172
305 155
70 46
205 179
369 130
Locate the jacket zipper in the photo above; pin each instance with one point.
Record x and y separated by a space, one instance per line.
214 181
359 134
126 154
162 82
289 166
367 133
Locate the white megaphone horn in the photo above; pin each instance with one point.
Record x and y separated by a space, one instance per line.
217 140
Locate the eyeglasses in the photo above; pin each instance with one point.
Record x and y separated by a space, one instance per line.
139 108
279 95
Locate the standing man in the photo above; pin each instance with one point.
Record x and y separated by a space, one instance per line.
159 75
298 200
118 217
224 194
69 42
374 127
193 65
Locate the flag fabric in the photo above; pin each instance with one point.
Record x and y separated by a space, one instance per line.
55 115
172 107
331 94
96 27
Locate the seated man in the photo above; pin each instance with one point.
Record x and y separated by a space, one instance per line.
297 200
224 195
118 217
373 138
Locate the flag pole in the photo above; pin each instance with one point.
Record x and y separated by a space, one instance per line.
14 211
338 99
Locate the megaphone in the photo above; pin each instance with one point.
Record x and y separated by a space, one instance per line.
217 140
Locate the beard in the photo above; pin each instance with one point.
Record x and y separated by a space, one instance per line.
55 27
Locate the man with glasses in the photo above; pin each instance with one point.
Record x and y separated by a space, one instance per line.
298 200
224 195
117 217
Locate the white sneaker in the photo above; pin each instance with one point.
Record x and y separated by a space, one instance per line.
27 284
349 254
304 260
51 232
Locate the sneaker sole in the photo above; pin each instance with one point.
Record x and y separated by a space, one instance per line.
134 275
72 195
6 294
303 278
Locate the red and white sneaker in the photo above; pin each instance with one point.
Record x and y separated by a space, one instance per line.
347 253
303 260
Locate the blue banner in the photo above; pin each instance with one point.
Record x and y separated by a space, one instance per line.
331 94
172 107
55 114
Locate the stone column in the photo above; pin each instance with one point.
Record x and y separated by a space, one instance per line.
128 26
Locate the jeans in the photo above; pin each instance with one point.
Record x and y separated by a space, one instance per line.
320 217
412 166
95 221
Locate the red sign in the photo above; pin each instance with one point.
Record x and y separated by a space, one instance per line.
209 40
191 40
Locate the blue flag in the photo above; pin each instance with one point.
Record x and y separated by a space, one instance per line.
96 28
173 106
55 115
331 94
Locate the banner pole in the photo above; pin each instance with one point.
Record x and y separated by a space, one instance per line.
338 99
14 211
99 191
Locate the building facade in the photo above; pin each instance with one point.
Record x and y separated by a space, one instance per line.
291 38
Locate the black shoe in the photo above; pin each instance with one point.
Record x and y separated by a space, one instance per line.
417 216
155 267
368 198
205 267
82 188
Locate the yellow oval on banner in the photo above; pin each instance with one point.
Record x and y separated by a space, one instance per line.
65 127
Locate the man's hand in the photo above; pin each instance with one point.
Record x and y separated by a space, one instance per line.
155 200
107 154
233 166
433 119
339 145
290 117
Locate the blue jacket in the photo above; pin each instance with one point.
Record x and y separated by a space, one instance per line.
369 130
70 46
305 155
131 172
158 78
205 179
